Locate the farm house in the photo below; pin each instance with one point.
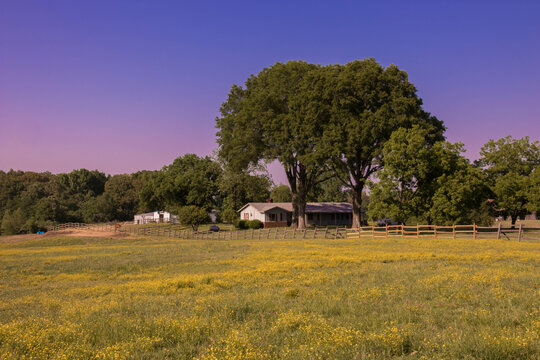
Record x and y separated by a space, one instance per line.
155 217
280 214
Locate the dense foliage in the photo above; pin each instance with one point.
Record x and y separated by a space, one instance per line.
320 122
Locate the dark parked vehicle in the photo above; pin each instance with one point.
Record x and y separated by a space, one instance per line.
386 221
214 228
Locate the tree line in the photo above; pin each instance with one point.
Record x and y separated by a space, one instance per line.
355 132
31 201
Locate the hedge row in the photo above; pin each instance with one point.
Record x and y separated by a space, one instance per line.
248 224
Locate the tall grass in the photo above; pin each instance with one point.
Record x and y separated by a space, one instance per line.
144 298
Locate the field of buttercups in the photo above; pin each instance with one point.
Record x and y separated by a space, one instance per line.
68 297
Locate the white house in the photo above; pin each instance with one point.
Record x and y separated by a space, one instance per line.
155 217
280 214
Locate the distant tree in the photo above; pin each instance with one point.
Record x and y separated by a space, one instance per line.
281 193
461 198
330 190
239 187
533 191
509 162
189 180
407 183
150 199
13 223
229 215
193 216
368 103
121 192
77 187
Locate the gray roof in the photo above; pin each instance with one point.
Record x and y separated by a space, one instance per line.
319 207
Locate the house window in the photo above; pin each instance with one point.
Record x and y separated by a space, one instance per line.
272 217
246 216
280 216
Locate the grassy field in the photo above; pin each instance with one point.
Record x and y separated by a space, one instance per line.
67 297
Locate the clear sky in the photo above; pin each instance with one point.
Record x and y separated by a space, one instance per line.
122 86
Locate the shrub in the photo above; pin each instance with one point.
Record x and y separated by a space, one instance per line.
240 224
193 216
255 224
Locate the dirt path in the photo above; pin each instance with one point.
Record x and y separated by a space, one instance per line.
70 232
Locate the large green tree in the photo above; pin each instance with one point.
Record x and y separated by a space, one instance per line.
367 104
509 163
412 164
276 117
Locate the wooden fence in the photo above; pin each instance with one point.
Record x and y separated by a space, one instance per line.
251 234
83 226
366 232
444 232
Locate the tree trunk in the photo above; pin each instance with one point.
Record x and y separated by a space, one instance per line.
294 199
299 205
514 218
301 213
357 205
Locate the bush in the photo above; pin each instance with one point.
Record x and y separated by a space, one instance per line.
255 224
193 216
240 224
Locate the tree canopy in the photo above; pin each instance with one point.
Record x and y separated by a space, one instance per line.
509 164
367 104
274 117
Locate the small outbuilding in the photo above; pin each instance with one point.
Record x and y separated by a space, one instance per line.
280 214
155 217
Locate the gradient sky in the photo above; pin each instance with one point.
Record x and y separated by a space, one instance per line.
122 86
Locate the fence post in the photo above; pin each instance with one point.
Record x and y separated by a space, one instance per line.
386 235
372 232
453 231
326 232
474 231
417 231
337 232
305 231
294 232
520 232
276 233
499 231
435 230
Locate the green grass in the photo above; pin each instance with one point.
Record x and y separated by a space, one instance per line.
145 298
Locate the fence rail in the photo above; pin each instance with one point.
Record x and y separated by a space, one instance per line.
518 233
444 232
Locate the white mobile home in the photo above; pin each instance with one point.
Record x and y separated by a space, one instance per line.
155 217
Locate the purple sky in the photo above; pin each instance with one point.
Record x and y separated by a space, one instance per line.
122 86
